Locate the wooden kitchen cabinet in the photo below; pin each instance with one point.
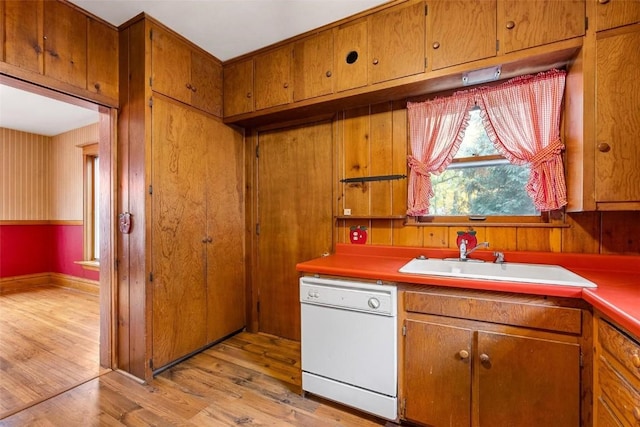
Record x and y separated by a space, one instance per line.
351 60
24 45
102 59
272 84
313 66
184 73
480 358
238 88
397 42
65 43
616 13
460 31
617 152
617 376
528 23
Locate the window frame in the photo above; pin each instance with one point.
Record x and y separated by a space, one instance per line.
89 171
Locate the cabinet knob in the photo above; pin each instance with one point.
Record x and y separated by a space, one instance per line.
97 86
328 73
375 61
436 45
603 1
635 359
603 147
248 94
204 239
464 354
484 358
286 85
510 25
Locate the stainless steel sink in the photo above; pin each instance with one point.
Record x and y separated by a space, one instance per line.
508 271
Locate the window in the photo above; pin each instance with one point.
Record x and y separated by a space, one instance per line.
479 181
91 202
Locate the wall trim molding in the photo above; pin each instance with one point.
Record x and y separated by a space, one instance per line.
41 222
21 283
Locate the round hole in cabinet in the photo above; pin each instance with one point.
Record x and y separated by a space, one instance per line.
352 57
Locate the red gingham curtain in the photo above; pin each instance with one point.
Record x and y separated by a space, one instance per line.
436 130
522 118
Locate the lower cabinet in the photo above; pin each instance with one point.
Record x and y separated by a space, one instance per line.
617 376
490 359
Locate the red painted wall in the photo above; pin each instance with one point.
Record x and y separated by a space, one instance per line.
42 248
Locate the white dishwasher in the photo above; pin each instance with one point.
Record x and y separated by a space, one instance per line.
349 343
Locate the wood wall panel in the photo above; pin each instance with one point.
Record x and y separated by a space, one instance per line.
65 167
24 172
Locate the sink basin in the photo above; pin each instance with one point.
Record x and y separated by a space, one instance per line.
508 271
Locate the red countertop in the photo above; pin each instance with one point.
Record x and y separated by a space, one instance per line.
617 276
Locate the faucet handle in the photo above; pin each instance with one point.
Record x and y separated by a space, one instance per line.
499 257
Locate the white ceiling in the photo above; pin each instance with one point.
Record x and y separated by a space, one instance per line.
224 28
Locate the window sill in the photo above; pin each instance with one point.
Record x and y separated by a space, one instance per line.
89 265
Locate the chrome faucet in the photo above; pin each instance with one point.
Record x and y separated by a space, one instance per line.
463 249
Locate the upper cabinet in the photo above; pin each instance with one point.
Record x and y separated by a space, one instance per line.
397 42
74 52
528 23
616 13
460 31
273 85
238 88
184 73
65 43
351 59
313 66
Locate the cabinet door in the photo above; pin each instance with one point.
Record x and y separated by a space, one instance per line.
313 66
529 23
170 66
178 240
102 59
461 31
617 153
351 59
238 88
527 381
273 78
397 41
225 226
206 83
616 13
437 373
65 43
23 30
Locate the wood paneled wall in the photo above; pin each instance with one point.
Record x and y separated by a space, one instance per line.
373 141
41 176
24 176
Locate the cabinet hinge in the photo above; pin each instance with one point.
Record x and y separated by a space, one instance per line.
151 34
497 45
117 264
257 151
151 189
257 229
151 102
586 23
151 277
426 61
151 364
404 330
581 359
426 9
258 306
150 81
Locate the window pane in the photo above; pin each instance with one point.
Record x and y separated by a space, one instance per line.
476 142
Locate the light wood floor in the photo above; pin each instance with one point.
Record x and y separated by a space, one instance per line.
249 379
49 343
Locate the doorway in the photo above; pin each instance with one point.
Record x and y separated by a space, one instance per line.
21 105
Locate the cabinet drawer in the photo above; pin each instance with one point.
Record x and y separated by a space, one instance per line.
621 347
516 312
605 417
618 393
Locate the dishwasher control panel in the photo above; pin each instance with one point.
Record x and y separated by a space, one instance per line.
351 295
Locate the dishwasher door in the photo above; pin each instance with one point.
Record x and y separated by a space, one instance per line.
349 343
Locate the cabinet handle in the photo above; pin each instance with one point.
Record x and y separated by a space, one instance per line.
209 239
484 358
328 73
635 359
436 45
603 147
248 94
510 25
464 354
188 86
375 61
286 85
603 1
204 239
